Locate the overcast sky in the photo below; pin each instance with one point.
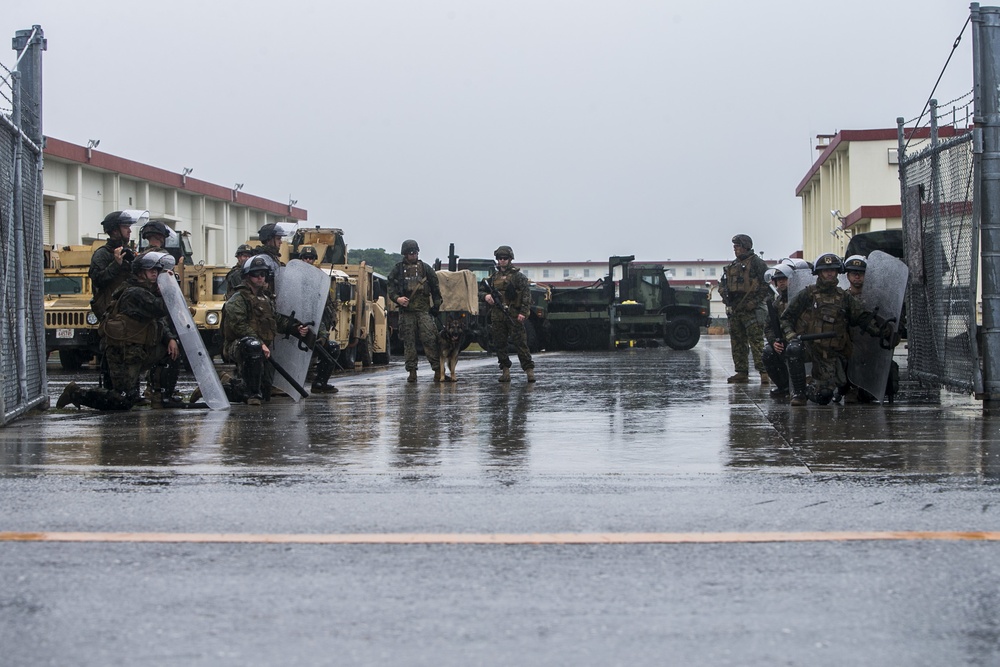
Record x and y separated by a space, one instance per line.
568 129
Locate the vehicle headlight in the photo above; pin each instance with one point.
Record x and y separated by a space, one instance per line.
92 319
212 319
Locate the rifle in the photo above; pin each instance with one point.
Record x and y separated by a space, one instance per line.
498 300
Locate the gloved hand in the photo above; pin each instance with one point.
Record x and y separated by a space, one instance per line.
888 338
309 339
434 310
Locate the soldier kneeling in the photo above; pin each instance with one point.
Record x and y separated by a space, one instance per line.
135 336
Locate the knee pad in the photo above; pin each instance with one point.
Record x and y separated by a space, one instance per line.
251 349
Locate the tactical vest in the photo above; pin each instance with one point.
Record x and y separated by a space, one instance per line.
827 314
103 296
118 329
505 283
414 280
739 279
261 314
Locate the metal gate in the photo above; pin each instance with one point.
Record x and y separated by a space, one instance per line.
22 331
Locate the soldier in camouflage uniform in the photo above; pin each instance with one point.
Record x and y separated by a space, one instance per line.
774 338
509 292
324 362
827 310
235 276
413 286
136 336
250 324
111 264
270 236
744 290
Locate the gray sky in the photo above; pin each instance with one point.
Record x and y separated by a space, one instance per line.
568 129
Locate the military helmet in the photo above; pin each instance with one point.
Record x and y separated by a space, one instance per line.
257 264
409 245
270 231
307 251
244 249
828 260
154 259
154 227
126 218
781 271
744 241
504 251
857 263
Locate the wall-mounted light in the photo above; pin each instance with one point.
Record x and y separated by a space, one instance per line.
91 145
187 170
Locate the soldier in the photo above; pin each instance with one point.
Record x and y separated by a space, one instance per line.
324 362
251 324
270 236
509 292
855 266
774 339
154 233
413 286
744 290
235 276
822 314
111 264
136 336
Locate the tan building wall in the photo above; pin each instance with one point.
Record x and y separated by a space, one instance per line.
82 185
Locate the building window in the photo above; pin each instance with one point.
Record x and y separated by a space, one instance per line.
545 273
711 271
565 273
586 273
689 272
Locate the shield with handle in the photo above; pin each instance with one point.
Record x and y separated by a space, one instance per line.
883 294
301 291
197 356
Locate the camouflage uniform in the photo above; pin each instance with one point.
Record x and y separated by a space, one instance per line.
515 291
417 281
774 361
233 279
106 275
135 334
250 319
744 292
823 308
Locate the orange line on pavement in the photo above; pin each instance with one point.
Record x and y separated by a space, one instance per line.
504 538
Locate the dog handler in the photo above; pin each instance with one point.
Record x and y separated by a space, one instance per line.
507 317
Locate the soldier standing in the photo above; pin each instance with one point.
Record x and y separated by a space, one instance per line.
235 276
111 264
413 286
136 336
822 313
774 338
855 266
509 292
744 290
251 324
324 362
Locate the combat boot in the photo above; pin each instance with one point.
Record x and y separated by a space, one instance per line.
412 377
778 394
531 374
195 395
799 400
504 375
71 394
254 400
323 388
764 379
740 377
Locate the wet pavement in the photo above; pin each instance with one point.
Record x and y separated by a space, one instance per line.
639 440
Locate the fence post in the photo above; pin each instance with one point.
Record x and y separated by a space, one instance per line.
986 56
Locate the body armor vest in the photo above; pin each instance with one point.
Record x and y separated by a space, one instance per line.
504 283
738 277
261 315
827 314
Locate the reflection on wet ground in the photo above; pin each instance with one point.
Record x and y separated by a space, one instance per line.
630 411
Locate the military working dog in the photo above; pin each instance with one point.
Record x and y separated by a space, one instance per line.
451 340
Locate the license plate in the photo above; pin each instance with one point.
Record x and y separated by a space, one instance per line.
64 333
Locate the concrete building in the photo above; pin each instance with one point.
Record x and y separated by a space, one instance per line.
82 185
853 187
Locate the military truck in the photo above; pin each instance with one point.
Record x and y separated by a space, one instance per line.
70 326
536 326
361 328
633 304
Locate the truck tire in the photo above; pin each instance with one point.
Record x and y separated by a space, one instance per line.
364 354
682 333
71 359
574 335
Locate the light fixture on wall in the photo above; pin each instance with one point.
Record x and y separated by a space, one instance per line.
187 170
91 145
236 189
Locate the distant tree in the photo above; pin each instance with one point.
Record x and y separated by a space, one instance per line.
376 257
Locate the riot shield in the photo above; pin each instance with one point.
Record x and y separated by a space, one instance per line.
801 279
885 288
194 347
301 292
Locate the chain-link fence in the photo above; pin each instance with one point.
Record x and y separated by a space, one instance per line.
941 231
22 332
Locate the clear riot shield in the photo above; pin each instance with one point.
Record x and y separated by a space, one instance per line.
201 364
801 278
883 294
301 292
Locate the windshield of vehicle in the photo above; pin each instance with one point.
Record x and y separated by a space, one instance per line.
63 284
